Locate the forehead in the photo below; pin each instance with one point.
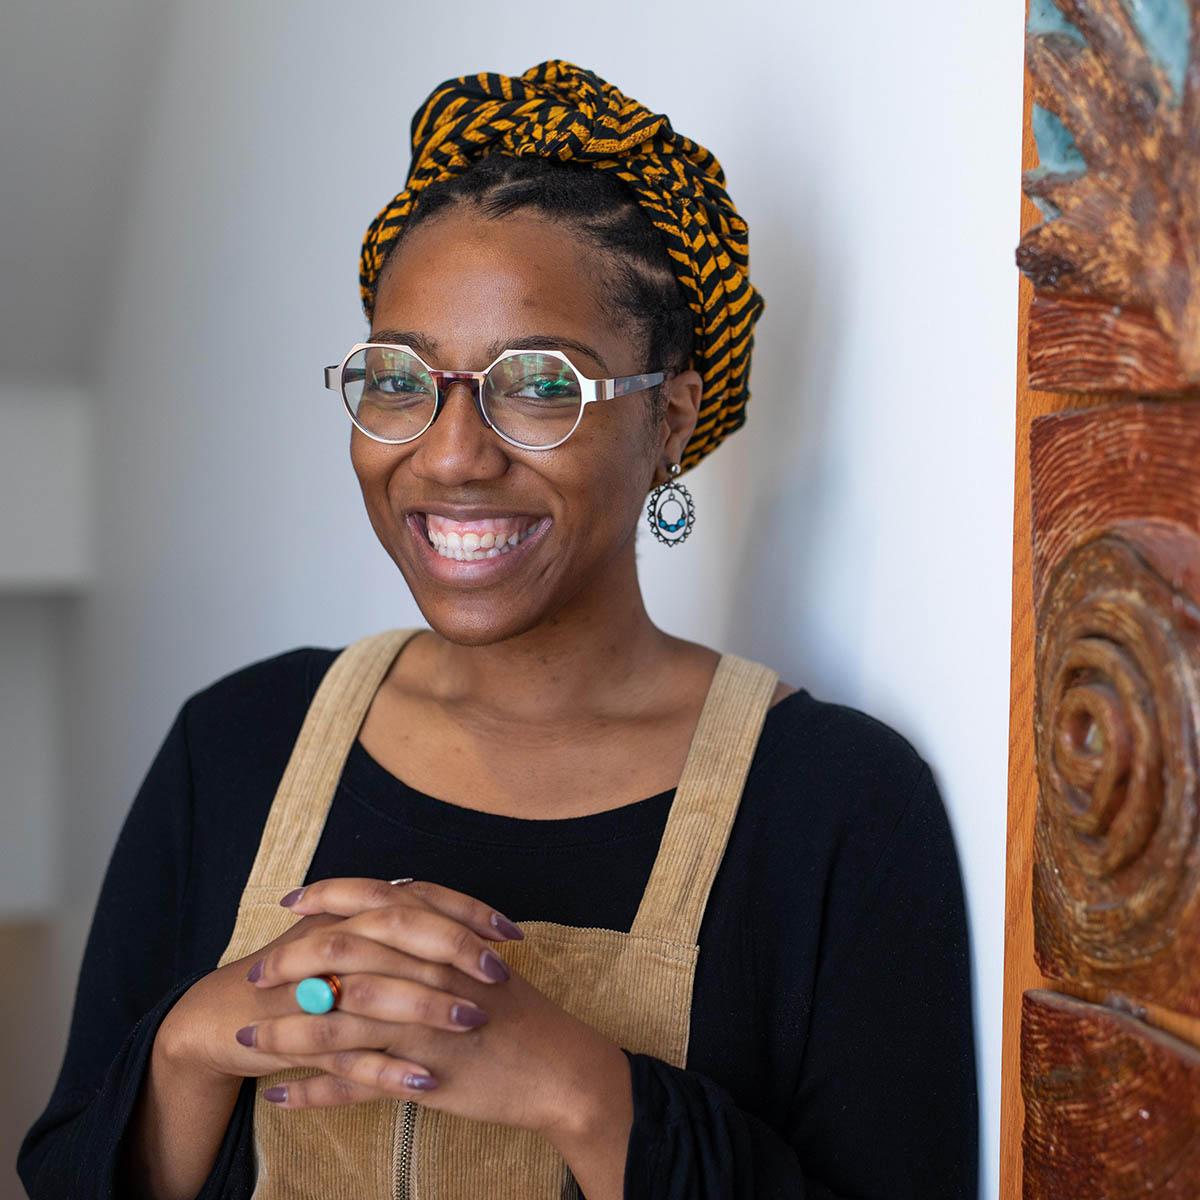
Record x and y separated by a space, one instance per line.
464 278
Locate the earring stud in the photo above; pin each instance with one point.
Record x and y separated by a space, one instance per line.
671 510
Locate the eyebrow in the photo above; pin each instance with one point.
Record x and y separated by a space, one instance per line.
425 345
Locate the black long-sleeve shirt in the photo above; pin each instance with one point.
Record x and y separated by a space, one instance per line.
831 1052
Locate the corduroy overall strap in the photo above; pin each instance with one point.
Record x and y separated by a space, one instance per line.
706 800
331 724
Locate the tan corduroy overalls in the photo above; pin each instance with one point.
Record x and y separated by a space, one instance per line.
635 987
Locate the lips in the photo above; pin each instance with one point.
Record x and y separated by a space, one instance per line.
486 547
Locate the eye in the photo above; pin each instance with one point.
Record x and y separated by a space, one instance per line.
397 384
546 387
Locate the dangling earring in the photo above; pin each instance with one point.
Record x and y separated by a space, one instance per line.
671 512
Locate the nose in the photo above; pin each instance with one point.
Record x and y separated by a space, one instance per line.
459 445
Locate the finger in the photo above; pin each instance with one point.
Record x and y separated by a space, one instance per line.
343 952
349 895
291 933
388 998
301 1033
424 933
413 929
250 962
355 1075
306 924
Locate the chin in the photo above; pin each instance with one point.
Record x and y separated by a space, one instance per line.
472 622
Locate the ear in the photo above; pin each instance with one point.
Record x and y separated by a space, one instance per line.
683 393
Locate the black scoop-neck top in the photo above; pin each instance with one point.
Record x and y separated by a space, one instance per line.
831 1048
396 800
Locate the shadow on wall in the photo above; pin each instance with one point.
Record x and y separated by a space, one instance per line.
784 446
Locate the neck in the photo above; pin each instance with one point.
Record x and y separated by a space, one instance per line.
599 656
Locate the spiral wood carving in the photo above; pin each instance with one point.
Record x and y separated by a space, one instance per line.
1112 1105
1116 875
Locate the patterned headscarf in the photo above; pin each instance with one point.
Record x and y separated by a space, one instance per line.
563 111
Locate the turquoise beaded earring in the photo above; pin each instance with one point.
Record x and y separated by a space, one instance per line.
671 512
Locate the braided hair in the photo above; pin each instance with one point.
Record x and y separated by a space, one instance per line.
600 210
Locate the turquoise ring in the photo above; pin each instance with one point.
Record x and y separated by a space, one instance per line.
318 993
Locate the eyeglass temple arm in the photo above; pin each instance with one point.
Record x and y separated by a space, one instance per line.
334 382
634 383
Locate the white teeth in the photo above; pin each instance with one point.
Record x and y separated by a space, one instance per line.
470 546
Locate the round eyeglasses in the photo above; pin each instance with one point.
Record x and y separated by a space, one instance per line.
533 399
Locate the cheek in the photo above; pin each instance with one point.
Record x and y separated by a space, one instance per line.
360 452
372 462
609 474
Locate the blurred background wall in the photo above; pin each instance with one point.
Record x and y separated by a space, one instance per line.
183 190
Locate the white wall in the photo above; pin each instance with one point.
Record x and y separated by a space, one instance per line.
856 533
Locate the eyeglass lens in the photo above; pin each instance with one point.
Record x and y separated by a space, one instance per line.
530 397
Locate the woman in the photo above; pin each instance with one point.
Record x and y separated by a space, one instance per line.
663 925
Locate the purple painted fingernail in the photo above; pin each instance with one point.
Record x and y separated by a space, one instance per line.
467 1014
505 926
425 1082
255 972
276 1094
246 1034
291 899
493 966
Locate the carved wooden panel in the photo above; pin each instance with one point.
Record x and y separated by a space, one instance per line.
1116 564
1112 1105
1116 115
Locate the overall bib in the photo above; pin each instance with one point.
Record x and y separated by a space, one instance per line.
635 987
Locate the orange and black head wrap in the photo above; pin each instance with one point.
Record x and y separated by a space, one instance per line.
559 110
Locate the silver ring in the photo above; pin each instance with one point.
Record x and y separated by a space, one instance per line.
409 880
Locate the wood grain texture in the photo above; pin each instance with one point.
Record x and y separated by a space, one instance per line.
1112 1105
1124 230
1020 969
1094 469
1097 470
1082 345
1181 1025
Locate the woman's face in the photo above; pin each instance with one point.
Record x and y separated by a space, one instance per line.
461 288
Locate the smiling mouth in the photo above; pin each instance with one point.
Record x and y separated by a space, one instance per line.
470 541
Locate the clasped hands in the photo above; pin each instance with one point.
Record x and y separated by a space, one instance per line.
424 994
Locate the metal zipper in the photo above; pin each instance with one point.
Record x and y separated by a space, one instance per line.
402 1157
402 1150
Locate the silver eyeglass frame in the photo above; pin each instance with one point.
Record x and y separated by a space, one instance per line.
602 389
